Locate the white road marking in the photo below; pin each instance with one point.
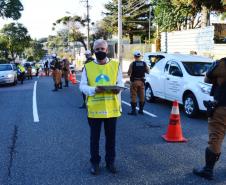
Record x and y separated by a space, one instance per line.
145 112
35 110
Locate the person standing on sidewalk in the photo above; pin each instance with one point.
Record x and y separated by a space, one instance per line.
216 75
137 70
102 106
89 58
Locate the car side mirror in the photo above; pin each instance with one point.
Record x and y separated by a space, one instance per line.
177 73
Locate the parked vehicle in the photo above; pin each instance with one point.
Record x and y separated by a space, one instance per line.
179 77
8 74
32 65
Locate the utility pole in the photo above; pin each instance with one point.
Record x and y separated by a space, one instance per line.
149 25
88 20
120 33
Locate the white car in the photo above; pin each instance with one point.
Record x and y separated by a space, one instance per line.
179 77
8 74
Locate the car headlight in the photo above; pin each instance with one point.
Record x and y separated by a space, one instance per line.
9 75
205 88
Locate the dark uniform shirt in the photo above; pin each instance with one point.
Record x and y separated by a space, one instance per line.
137 70
216 75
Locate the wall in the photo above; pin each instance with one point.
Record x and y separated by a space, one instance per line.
199 40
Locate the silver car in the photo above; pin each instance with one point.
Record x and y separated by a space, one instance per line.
8 74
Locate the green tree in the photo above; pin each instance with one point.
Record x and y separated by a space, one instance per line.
17 38
103 30
56 43
35 51
4 53
72 24
205 7
181 14
135 17
11 9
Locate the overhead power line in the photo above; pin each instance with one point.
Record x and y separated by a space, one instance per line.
135 7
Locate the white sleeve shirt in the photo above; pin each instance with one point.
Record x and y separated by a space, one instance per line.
90 91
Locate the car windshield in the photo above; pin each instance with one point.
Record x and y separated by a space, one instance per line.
5 67
197 68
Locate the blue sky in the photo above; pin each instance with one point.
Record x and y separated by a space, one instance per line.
38 15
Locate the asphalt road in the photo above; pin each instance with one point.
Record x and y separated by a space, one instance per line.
55 150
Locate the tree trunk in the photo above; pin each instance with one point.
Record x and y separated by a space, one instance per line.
84 44
6 54
205 21
131 38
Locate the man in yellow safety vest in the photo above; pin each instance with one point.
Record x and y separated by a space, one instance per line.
103 106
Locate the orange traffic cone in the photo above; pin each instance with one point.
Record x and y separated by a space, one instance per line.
70 77
174 131
73 81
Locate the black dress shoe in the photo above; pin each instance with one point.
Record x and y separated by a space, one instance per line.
111 168
132 113
95 170
141 112
83 106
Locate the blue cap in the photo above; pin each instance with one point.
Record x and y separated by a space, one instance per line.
137 53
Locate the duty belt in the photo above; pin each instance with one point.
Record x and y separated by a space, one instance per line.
138 79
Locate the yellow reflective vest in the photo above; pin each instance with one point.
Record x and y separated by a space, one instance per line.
22 69
103 105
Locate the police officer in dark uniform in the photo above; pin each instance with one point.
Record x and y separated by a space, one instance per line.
216 75
56 67
66 70
137 70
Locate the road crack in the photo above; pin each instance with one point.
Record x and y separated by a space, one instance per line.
12 149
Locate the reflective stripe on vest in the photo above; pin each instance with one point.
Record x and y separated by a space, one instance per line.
102 105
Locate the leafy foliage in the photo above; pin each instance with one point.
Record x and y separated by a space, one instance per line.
181 14
135 18
17 38
35 51
11 9
71 32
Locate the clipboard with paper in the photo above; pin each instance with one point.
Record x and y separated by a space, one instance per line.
112 87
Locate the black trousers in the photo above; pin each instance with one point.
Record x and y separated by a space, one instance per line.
110 132
84 98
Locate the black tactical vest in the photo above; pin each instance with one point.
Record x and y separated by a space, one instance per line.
220 93
138 71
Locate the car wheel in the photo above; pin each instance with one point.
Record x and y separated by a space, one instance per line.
190 106
149 96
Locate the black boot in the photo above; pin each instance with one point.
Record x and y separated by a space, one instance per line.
60 85
95 169
56 87
133 106
66 83
111 168
207 170
83 106
141 107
